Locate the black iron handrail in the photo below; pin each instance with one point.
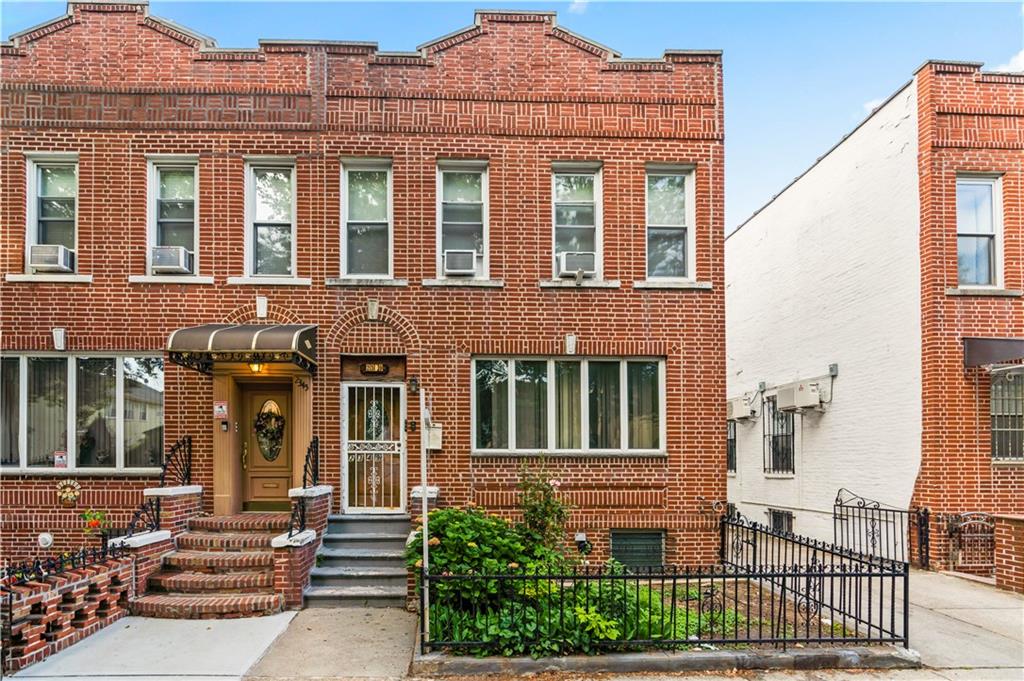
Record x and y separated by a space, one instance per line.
311 467
39 569
297 522
880 529
178 464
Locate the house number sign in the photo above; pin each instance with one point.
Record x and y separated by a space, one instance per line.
373 369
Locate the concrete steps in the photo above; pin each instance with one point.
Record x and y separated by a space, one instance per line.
361 563
223 567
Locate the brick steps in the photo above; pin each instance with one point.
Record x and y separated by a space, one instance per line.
198 582
207 606
224 541
223 567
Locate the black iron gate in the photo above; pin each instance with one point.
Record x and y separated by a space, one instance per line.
972 543
876 529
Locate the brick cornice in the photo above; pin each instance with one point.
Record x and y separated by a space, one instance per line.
477 96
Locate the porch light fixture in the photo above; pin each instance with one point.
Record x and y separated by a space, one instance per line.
414 384
255 367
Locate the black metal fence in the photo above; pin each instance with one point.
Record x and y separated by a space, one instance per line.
37 570
877 529
770 588
972 542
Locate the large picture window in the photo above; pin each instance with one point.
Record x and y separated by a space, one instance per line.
81 412
534 404
1006 407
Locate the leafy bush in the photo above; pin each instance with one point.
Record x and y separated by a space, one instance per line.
544 512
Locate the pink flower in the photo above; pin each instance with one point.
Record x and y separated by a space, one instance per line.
554 483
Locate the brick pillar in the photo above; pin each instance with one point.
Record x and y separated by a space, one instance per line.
295 557
1009 552
177 506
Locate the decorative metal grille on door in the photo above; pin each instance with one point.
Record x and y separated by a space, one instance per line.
373 447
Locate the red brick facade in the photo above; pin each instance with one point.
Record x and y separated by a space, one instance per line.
969 122
114 85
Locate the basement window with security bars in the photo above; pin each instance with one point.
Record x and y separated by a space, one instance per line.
780 521
1006 408
779 438
638 549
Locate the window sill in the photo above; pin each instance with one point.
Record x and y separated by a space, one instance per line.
984 292
169 279
586 283
269 281
49 278
611 454
82 472
780 476
465 283
730 474
365 281
670 284
1008 462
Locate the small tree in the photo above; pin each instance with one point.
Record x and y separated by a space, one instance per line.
544 512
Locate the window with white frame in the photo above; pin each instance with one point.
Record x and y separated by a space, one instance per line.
367 229
174 234
576 198
462 220
669 232
978 230
568 404
271 240
53 205
59 411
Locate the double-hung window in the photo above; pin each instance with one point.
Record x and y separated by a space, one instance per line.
53 211
367 224
779 438
669 225
533 404
271 223
174 233
577 216
730 446
1006 409
90 411
462 216
978 230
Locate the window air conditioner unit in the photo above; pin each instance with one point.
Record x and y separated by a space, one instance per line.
51 258
460 263
172 260
798 396
570 262
737 409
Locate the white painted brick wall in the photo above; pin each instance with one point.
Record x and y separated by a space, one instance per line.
830 272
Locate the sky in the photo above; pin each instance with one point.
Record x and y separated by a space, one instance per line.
798 76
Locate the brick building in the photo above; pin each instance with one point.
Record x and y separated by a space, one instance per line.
897 257
253 247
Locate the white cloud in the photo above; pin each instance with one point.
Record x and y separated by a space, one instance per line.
1016 63
872 104
578 6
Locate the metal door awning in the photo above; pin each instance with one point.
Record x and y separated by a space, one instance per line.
984 351
200 347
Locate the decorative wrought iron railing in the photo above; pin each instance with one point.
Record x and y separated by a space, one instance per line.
310 478
311 467
177 466
39 569
972 542
872 527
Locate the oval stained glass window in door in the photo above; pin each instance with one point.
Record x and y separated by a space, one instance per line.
269 429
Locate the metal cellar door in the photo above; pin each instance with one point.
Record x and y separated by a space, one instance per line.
373 442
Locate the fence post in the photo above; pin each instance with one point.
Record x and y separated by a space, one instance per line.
906 605
721 539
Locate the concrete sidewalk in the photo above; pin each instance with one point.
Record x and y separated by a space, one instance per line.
142 648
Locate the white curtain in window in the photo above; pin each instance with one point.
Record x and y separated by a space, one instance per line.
644 428
47 409
568 406
96 427
604 403
531 404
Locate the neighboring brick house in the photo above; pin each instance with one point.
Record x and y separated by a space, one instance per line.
899 256
510 199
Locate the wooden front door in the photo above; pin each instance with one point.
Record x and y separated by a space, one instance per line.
266 448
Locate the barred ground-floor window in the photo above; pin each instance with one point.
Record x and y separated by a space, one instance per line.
1006 409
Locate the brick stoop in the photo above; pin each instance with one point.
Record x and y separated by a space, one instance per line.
223 567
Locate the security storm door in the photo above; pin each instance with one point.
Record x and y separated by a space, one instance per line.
373 439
